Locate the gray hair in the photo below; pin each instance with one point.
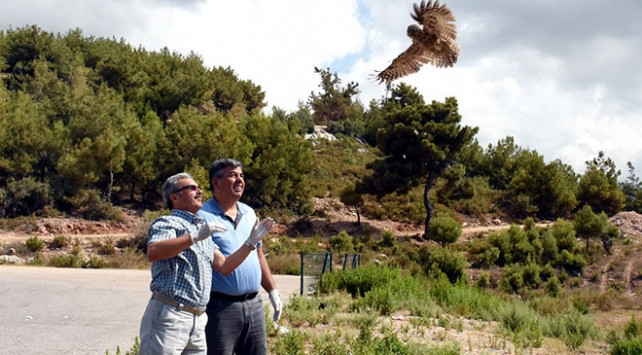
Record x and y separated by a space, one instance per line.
217 168
171 184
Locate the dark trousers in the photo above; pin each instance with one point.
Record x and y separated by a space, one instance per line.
236 327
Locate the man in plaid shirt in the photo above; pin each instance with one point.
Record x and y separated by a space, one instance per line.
183 255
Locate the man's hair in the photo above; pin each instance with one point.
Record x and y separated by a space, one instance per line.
217 168
171 184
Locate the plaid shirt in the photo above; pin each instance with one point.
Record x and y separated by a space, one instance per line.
187 277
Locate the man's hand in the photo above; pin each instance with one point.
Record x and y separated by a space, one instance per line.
275 299
205 231
259 231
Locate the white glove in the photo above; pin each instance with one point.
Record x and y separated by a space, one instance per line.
205 231
275 299
259 231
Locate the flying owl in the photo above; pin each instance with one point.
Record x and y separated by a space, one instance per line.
435 43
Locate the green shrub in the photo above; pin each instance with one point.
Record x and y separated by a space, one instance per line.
627 347
358 281
388 239
24 197
341 242
516 316
564 233
90 205
95 262
449 262
292 343
573 328
484 280
35 244
553 287
633 328
573 263
70 261
444 229
512 280
59 241
487 258
531 275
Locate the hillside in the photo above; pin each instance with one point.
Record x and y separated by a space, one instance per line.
623 267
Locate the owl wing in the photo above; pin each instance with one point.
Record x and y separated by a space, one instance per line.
408 62
439 28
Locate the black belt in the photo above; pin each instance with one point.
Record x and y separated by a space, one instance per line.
179 306
239 298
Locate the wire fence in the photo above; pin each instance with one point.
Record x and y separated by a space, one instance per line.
313 265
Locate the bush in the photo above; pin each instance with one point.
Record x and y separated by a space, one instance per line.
564 233
341 242
59 241
90 205
487 258
627 346
484 280
24 197
573 263
444 229
358 281
71 261
449 262
35 244
553 287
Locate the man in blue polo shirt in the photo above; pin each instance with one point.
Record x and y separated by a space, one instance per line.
236 319
183 255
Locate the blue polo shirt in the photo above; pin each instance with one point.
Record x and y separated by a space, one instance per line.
185 278
246 277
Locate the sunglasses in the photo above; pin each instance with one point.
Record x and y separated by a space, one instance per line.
190 187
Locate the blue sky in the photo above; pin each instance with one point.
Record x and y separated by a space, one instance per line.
561 77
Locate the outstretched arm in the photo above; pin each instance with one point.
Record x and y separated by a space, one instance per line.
225 265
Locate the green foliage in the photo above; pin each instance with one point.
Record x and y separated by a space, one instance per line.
573 328
444 229
88 204
281 162
338 164
35 244
334 106
626 347
589 225
95 114
570 262
598 186
514 246
358 281
342 242
632 190
564 234
132 351
484 280
418 143
553 287
633 328
24 197
443 260
70 261
351 198
59 241
290 343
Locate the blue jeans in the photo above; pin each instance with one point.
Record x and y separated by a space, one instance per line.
236 327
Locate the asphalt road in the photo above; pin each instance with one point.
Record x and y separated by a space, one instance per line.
79 311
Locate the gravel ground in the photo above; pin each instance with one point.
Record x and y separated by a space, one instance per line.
79 311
